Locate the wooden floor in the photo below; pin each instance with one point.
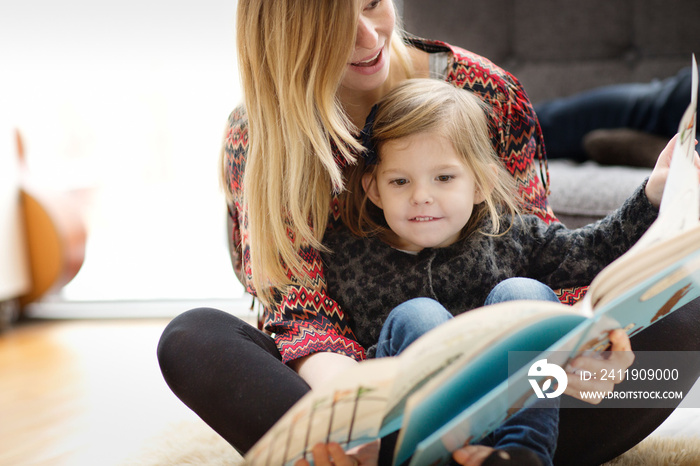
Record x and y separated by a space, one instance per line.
82 392
89 393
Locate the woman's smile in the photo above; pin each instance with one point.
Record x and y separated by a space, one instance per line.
368 61
371 64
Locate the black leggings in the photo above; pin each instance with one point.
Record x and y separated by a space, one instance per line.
231 375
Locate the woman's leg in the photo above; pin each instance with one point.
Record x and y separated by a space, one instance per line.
407 322
229 373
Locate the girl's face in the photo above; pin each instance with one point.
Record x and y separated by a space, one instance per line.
426 191
369 64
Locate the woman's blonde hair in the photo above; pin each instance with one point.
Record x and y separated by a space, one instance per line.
292 56
430 105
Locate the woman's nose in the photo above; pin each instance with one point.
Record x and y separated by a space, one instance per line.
367 36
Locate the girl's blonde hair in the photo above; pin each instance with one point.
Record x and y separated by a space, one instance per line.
292 56
430 105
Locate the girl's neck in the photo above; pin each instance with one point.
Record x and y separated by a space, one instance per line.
357 104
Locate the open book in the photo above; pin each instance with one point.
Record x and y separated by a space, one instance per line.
456 383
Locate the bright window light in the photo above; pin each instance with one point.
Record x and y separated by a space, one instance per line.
124 103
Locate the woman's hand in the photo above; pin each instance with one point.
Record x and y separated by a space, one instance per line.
471 455
657 180
327 454
621 357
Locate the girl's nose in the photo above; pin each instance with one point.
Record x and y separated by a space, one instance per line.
367 36
421 196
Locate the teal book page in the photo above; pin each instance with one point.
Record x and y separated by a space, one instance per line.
646 303
487 374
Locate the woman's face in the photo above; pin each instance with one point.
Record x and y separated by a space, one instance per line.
369 64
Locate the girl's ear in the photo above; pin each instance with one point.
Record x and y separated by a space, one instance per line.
369 184
481 192
479 195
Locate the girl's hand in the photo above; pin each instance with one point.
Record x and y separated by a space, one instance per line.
657 180
472 455
621 357
327 454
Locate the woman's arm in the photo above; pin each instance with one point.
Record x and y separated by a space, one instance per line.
316 368
305 320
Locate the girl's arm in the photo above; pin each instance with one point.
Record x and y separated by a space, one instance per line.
622 356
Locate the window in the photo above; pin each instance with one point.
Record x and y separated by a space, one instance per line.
125 101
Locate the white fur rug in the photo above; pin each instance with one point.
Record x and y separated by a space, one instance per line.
194 443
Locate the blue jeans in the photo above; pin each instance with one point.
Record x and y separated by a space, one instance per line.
655 107
417 316
535 429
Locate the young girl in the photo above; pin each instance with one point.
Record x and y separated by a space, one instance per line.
432 215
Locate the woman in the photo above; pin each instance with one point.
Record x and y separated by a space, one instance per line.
311 71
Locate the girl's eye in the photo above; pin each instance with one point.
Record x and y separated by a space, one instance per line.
444 178
373 4
399 181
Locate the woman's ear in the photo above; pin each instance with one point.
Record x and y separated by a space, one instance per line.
369 184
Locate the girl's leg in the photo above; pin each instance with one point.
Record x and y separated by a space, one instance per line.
535 428
229 373
407 322
512 289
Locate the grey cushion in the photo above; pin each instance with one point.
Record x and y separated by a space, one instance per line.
582 193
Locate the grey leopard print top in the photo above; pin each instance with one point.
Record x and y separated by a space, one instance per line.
368 278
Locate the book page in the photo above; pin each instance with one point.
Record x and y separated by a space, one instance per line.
632 269
443 351
534 326
352 408
675 231
647 302
349 409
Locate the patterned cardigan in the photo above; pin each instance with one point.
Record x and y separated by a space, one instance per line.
369 278
308 319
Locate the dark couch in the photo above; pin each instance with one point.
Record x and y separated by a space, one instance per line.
559 47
